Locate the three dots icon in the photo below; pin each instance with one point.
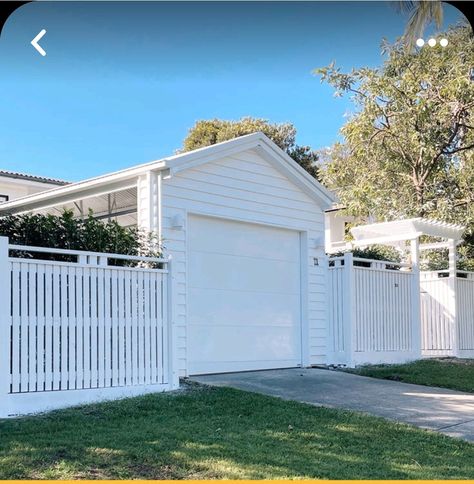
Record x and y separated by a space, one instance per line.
432 42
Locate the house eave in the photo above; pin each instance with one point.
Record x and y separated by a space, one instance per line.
127 178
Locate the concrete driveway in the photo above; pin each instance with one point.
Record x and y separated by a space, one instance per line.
439 409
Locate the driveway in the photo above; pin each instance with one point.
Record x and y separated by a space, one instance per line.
446 411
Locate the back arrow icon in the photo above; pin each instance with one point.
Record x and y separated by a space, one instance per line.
35 44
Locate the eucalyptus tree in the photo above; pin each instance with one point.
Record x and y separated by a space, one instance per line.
407 147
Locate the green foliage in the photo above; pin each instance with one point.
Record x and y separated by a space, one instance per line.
210 132
408 146
378 252
374 252
67 232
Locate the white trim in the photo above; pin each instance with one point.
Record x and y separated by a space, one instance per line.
36 402
304 357
304 301
83 253
407 229
4 322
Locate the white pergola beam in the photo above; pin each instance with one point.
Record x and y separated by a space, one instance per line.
384 240
438 245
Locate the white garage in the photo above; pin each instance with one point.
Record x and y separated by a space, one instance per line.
244 296
243 224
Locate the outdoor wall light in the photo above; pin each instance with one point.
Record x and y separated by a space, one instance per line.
177 222
317 243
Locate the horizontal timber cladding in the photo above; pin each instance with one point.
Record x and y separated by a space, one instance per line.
247 188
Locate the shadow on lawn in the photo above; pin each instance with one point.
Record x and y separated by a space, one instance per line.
222 433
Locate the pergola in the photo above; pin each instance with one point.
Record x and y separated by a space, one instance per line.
398 232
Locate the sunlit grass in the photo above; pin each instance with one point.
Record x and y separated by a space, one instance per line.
223 433
456 374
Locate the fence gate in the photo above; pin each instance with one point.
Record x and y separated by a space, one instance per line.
79 329
447 314
372 311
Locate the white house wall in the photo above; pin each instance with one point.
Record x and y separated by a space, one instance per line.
16 188
245 187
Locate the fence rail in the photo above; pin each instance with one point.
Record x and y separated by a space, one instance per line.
86 326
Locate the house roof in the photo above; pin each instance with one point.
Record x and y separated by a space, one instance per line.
35 178
126 179
408 229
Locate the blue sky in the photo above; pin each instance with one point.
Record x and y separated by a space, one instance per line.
123 82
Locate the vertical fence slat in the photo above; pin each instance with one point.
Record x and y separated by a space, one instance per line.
24 328
128 327
153 330
41 323
87 333
16 320
32 327
72 329
108 311
121 351
114 330
134 322
78 326
79 323
147 327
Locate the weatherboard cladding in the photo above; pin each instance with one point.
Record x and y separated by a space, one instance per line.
244 187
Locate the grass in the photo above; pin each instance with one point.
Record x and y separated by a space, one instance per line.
452 373
223 433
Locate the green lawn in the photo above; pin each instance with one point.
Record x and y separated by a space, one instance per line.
447 373
223 433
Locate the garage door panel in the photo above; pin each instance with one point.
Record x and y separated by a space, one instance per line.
236 238
254 308
249 344
243 297
242 273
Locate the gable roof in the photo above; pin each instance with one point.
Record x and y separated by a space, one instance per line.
126 179
35 178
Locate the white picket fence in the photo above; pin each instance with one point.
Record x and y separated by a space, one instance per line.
81 331
373 312
447 314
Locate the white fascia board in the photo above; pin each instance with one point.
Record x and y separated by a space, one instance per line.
26 204
104 183
208 154
266 148
120 180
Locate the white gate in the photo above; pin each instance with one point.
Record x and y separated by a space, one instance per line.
465 314
80 330
373 311
447 313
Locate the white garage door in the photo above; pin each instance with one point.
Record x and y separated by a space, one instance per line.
243 296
